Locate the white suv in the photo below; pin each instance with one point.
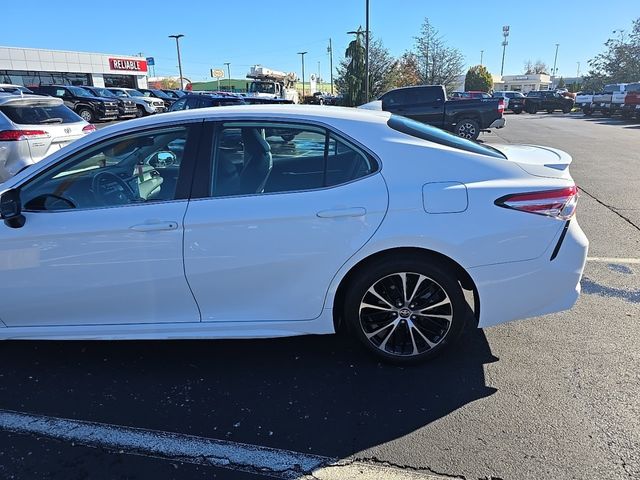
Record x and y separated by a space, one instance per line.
32 127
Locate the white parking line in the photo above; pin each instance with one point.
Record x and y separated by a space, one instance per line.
613 260
271 462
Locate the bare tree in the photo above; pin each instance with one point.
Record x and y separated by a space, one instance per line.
537 68
439 64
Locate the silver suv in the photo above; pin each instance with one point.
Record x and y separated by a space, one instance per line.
32 127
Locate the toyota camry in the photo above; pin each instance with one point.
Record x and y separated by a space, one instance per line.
268 221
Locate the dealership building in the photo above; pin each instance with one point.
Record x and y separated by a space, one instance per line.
34 67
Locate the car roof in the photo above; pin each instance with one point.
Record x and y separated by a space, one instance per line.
7 98
268 112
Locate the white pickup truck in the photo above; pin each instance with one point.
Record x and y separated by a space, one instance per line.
610 99
584 101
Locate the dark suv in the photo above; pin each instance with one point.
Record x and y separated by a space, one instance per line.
547 100
88 106
126 107
204 100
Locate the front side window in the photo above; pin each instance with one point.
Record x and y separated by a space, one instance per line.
254 158
132 169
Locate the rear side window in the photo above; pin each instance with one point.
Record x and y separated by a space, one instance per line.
39 114
435 135
263 157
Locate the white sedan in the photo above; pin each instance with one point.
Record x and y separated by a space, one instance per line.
267 221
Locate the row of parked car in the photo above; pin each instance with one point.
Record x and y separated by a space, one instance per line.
615 99
105 104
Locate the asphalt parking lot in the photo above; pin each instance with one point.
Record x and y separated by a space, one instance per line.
547 398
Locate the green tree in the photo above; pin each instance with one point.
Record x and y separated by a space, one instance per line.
350 78
478 78
619 63
561 83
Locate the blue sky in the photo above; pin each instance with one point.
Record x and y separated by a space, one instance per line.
271 32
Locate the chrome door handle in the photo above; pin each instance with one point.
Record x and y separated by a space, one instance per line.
343 212
154 227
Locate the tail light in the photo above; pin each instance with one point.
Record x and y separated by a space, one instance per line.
501 106
89 128
560 204
15 135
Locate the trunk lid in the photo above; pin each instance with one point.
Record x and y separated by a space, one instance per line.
538 161
58 136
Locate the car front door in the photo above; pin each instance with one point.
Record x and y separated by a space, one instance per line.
102 237
283 207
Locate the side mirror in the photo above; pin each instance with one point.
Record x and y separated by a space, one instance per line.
11 209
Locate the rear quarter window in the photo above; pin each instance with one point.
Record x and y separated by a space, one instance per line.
441 137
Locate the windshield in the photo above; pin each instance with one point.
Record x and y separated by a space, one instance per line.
633 87
262 87
80 92
441 137
103 92
135 93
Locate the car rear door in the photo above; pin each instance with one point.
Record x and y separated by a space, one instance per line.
97 248
281 209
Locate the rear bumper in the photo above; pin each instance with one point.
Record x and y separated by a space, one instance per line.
499 123
517 290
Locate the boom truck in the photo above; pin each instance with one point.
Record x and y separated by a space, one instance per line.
272 84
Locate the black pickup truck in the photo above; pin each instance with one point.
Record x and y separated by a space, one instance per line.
548 100
85 104
429 104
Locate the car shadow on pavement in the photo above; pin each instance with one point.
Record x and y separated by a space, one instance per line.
319 394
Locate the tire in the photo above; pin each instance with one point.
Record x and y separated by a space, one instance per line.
549 110
626 115
587 111
400 334
517 111
532 110
87 115
566 110
140 112
467 128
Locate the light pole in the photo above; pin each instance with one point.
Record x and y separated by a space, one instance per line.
555 61
578 72
366 53
330 51
302 54
481 55
178 37
505 42
228 64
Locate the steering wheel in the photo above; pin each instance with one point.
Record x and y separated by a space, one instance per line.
109 189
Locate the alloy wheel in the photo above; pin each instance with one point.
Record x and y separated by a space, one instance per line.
467 130
405 314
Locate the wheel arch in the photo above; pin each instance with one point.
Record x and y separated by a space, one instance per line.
463 276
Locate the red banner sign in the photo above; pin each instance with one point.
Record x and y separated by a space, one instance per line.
128 64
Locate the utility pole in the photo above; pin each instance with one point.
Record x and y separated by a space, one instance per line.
578 72
228 74
505 42
178 37
481 55
555 61
330 50
302 54
366 54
